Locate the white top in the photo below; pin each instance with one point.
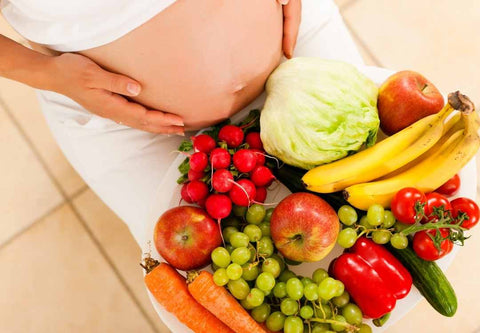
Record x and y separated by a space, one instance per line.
74 25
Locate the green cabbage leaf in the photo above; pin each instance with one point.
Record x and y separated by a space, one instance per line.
318 111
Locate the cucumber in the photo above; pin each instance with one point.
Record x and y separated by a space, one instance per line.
291 177
429 280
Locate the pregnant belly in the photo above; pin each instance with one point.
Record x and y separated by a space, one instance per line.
201 59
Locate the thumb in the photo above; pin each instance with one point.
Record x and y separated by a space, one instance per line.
117 83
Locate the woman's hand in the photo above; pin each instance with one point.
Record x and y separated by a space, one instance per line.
292 14
102 93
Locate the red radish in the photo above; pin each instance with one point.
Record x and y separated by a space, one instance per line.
197 190
195 175
262 176
218 206
184 193
245 160
204 143
232 135
220 158
198 161
261 195
243 192
222 180
254 141
260 156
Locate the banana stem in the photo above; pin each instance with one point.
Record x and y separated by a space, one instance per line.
461 102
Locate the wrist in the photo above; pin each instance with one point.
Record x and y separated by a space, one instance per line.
45 73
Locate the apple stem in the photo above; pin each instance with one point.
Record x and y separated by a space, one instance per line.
294 239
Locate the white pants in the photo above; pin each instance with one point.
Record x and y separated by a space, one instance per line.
125 166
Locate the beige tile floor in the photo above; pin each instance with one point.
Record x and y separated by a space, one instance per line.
80 269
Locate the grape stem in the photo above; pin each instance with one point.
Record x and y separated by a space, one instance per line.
366 230
315 306
348 327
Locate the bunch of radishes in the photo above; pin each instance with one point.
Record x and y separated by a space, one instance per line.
229 171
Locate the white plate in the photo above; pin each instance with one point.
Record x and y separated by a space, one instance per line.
168 195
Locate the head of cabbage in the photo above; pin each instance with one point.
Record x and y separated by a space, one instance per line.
318 111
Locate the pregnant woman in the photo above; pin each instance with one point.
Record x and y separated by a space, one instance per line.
116 78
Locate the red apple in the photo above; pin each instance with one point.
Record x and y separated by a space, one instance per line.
304 227
185 236
404 98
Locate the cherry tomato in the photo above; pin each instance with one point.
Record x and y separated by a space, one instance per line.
451 187
434 200
468 207
403 204
425 248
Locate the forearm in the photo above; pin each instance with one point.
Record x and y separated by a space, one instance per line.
19 63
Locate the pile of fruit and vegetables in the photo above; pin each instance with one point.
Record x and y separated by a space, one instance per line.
390 204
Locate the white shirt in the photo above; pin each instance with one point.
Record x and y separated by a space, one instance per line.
74 25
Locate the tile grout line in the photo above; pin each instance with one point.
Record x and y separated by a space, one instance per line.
67 201
34 150
28 227
78 193
42 217
112 265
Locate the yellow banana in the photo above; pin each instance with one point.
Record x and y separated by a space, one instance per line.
441 163
452 126
455 120
381 159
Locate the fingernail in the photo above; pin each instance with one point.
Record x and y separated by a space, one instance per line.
180 134
133 89
178 123
283 2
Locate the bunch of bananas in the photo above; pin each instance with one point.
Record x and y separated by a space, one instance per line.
424 155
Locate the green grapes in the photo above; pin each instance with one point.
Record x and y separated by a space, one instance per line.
347 215
347 237
375 214
220 257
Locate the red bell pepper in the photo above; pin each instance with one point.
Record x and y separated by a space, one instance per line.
373 277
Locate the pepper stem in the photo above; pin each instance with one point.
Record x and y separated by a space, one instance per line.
379 322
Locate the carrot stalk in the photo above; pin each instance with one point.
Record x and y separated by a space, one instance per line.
218 301
170 290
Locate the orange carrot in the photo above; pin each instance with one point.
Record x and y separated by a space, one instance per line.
170 290
218 301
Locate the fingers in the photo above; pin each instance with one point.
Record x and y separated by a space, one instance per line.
134 115
292 14
116 83
163 122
